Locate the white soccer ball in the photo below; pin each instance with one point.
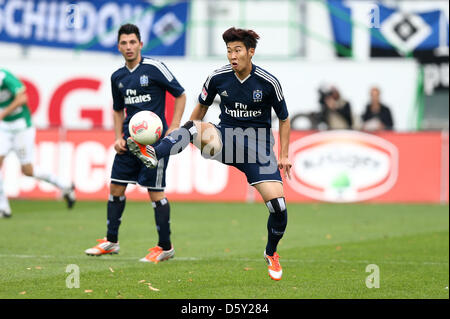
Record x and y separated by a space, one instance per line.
145 127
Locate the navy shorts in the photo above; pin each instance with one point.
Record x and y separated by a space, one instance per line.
250 151
128 169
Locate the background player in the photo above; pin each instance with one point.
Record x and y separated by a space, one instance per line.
17 134
248 93
147 80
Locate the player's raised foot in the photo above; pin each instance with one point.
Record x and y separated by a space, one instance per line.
157 254
5 214
69 196
103 247
274 267
146 153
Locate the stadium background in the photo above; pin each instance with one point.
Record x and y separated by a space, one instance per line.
65 52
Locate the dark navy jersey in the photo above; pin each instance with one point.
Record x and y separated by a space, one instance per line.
245 103
143 88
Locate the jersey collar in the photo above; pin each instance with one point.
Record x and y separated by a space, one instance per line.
250 74
137 65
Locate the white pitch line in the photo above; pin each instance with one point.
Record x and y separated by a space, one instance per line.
181 258
85 256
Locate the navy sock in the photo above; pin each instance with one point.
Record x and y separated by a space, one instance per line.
116 205
162 221
176 141
276 224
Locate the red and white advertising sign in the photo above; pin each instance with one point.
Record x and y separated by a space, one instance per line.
343 166
332 166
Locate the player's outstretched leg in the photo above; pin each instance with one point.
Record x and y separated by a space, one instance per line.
177 140
173 143
67 189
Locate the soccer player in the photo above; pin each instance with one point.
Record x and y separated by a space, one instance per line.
243 138
17 134
139 85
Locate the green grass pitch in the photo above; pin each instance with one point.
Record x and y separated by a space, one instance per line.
219 248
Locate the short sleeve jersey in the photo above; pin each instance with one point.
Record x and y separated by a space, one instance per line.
10 86
245 103
143 88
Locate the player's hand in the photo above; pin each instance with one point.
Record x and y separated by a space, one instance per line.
285 164
120 146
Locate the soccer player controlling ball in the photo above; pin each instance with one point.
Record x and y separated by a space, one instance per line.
139 85
243 138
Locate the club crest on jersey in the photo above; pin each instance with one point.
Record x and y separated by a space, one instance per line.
257 96
144 80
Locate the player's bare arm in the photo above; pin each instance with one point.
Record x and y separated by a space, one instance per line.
180 103
283 162
199 112
120 143
20 99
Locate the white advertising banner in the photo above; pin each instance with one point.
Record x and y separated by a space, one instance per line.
339 166
76 93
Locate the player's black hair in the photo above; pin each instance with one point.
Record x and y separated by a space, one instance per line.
129 29
248 37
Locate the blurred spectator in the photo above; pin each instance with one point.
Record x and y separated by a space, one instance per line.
335 111
377 116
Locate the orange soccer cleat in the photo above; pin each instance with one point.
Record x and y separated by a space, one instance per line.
146 153
103 247
275 270
157 254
